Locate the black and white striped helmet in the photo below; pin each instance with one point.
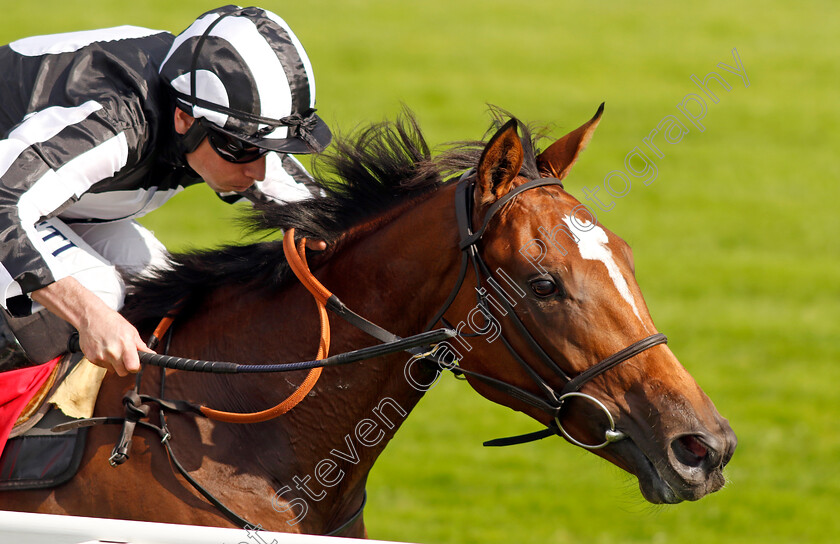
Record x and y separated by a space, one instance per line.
245 71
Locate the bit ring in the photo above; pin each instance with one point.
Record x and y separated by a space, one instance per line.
610 436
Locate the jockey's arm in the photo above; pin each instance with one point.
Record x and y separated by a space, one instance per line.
106 338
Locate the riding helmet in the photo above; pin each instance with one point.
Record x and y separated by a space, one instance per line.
245 71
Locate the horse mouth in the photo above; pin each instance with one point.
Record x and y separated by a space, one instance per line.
660 479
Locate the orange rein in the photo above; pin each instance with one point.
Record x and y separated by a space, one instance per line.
297 261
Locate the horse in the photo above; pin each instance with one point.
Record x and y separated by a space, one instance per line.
545 302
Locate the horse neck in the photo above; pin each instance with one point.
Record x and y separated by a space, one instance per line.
395 271
396 274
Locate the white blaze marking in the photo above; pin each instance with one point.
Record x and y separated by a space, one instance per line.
592 244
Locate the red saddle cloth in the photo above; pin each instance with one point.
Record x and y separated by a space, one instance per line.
17 387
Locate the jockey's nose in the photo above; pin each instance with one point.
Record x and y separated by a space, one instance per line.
255 170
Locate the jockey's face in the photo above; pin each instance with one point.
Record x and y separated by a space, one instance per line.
222 176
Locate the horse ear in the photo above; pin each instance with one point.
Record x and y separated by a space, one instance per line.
499 164
558 159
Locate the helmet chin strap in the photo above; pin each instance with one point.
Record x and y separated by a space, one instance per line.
192 138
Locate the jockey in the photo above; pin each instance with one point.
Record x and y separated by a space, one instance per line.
98 128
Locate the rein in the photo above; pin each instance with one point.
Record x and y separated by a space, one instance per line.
137 409
297 258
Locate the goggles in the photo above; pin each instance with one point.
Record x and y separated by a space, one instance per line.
233 149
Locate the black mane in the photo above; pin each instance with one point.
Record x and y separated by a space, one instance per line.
362 179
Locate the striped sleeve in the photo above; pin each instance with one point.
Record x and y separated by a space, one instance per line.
48 161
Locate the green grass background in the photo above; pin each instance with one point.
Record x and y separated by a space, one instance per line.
736 242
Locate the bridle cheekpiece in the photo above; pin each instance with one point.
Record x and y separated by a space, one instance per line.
551 401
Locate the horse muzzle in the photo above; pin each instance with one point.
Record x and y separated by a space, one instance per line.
685 467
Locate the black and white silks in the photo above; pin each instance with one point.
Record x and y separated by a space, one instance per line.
87 136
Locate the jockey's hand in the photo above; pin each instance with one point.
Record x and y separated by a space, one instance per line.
316 245
105 337
111 341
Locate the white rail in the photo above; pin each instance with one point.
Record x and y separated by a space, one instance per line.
25 528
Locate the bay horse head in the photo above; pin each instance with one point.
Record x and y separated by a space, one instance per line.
565 334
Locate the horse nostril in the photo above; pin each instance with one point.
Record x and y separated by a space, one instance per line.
690 451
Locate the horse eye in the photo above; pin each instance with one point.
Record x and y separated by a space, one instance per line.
544 287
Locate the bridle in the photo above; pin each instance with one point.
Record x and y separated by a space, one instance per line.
551 401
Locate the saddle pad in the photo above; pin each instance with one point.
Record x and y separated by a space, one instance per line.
76 396
40 458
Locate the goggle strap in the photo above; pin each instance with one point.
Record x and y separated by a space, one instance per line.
193 137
